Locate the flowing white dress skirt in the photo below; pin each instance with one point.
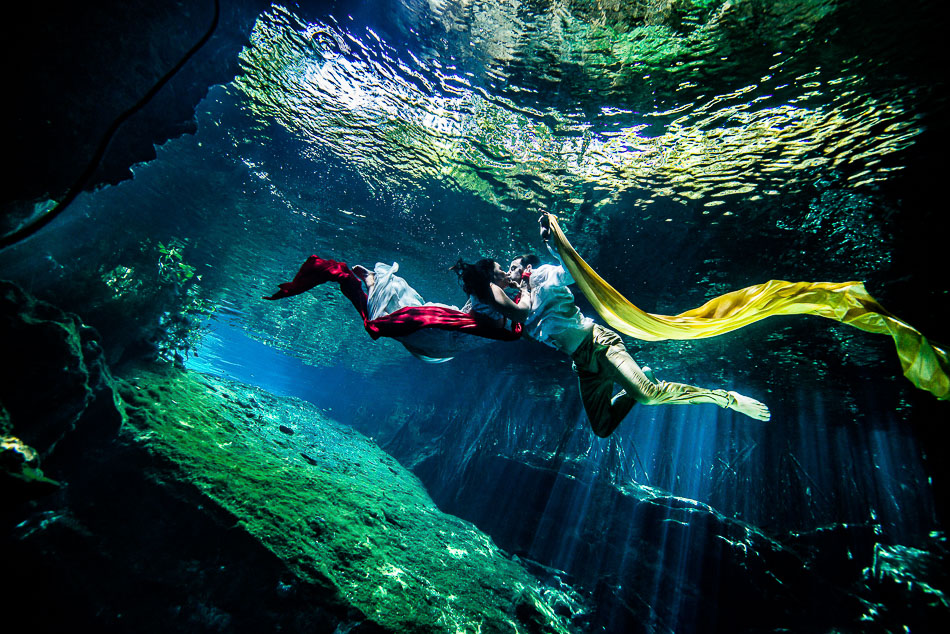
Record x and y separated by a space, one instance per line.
432 345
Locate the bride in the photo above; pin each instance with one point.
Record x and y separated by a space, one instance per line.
388 292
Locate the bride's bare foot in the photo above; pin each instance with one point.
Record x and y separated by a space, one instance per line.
749 406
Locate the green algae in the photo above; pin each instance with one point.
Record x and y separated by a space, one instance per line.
19 465
341 513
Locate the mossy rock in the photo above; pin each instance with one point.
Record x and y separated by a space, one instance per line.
341 513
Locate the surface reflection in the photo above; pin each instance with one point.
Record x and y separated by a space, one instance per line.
401 117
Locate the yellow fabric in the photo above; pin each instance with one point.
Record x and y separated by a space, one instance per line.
925 365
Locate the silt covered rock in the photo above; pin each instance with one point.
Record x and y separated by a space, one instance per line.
341 514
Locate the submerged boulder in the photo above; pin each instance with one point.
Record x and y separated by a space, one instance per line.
204 505
338 512
55 379
53 369
651 561
203 514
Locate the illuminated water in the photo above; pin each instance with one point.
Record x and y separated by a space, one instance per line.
688 147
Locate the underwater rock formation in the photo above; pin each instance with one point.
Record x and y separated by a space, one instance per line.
341 514
54 380
655 562
79 68
652 561
219 507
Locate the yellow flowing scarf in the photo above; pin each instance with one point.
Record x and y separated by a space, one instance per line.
925 364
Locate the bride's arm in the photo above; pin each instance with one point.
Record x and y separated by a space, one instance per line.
515 312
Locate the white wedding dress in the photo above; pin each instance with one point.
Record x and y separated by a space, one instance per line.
432 345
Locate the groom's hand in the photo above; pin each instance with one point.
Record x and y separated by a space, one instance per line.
545 223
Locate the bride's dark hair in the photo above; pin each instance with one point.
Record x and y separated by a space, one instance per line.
475 279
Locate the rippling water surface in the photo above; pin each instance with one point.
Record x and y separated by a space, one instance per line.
575 103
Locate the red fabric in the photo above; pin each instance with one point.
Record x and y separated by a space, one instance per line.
526 276
405 321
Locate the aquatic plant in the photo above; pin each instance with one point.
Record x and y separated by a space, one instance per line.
161 291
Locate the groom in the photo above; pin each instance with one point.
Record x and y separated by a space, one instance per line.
599 355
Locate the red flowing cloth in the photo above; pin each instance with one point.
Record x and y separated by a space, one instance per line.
405 321
527 277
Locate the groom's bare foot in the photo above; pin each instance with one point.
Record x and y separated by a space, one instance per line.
750 407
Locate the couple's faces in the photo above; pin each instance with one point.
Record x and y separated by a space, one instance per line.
513 276
515 271
499 277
